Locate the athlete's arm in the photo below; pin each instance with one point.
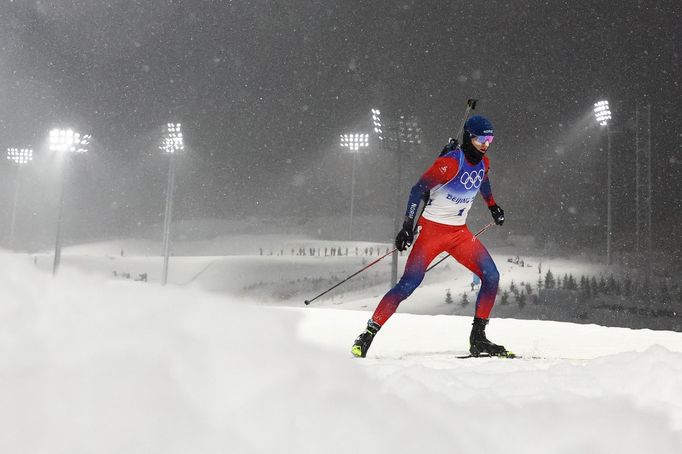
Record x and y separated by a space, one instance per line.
441 171
486 190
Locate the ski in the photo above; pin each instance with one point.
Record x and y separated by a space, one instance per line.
515 356
460 354
508 355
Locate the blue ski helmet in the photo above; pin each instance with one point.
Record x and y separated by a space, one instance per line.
479 126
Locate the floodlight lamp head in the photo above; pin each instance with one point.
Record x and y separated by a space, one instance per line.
409 131
354 141
602 112
172 139
377 123
20 156
68 141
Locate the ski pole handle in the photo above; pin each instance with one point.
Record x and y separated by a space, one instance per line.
307 302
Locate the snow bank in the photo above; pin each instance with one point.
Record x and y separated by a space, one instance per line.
95 366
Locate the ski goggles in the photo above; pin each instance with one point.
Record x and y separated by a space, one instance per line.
483 139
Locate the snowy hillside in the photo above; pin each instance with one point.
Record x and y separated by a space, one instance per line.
248 259
93 364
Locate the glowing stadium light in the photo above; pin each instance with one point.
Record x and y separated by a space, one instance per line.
69 141
20 156
377 123
354 142
602 112
172 139
409 131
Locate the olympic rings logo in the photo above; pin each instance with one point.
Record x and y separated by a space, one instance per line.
473 179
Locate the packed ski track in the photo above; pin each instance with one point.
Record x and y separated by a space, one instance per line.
95 363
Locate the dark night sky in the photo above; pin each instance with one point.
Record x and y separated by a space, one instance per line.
263 89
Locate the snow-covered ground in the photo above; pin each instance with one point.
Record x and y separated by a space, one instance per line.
90 363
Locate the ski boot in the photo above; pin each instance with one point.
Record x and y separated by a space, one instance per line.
364 340
480 345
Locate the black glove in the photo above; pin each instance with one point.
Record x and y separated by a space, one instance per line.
404 237
498 214
452 144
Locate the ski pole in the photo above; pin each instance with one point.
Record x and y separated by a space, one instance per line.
475 236
307 302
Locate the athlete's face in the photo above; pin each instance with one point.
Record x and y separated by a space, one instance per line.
481 143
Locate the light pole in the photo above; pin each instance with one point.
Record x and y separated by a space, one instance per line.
64 141
171 143
354 142
602 114
20 157
643 182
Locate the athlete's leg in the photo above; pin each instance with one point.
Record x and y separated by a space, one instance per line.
472 254
424 250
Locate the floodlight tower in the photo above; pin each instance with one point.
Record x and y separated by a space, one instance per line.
65 142
354 143
602 114
20 157
171 143
404 131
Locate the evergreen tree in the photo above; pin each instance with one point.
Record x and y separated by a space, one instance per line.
512 288
627 286
465 300
573 285
550 283
529 289
448 297
540 284
521 299
565 284
594 287
611 285
505 298
585 289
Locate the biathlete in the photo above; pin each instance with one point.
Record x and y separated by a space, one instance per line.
450 186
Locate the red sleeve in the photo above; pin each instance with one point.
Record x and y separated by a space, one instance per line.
441 171
486 163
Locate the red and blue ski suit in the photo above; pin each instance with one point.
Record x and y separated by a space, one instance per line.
452 183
